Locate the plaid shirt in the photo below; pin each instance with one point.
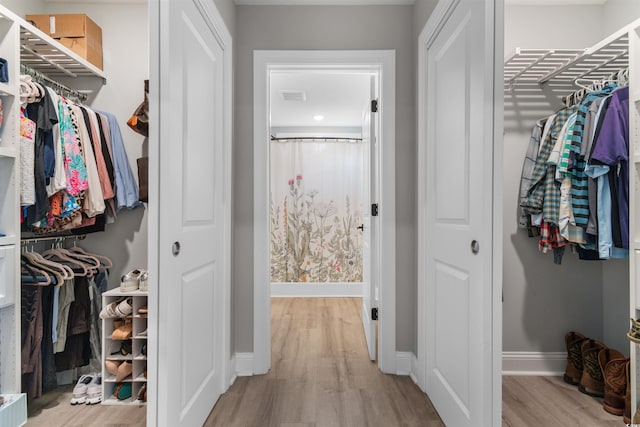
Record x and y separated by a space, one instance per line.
544 192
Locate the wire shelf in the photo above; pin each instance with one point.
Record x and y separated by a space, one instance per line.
561 68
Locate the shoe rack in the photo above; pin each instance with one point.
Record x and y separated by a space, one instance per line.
112 348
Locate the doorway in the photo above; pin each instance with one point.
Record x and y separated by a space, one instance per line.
374 63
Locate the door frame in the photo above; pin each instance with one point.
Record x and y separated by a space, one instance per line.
436 21
158 24
265 61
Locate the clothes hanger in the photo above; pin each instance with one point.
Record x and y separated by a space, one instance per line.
35 273
55 254
66 271
105 262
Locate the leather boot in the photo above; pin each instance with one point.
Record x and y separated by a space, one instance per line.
613 365
573 372
592 381
627 397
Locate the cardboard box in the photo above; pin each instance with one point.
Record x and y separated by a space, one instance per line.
75 31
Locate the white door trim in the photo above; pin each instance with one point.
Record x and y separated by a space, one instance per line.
437 19
158 24
264 62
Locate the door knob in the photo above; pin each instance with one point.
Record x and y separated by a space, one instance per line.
475 247
175 248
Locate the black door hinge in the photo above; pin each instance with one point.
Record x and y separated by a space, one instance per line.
374 106
374 314
374 209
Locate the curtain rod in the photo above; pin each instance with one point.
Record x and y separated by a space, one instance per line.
40 78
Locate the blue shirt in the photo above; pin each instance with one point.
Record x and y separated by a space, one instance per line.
127 195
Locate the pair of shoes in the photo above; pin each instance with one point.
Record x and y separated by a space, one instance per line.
122 369
122 391
122 308
142 394
143 333
94 391
122 329
125 348
81 389
134 280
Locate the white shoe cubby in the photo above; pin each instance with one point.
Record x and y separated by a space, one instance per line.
137 356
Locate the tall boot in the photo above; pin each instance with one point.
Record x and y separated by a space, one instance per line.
613 365
573 372
592 381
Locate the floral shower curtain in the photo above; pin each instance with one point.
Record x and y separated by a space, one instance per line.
316 207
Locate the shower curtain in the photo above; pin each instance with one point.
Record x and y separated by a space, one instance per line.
315 209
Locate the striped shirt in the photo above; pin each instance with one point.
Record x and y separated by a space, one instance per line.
579 180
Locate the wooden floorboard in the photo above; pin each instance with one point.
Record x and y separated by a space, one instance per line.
321 376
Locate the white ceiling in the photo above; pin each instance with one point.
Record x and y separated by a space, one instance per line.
340 98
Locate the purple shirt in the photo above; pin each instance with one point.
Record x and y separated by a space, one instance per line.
612 148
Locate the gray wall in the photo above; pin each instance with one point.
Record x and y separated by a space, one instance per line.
227 9
22 7
125 44
324 27
616 13
543 301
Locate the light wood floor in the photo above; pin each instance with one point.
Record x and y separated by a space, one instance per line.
321 376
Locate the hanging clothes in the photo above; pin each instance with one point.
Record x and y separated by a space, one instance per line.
577 193
80 171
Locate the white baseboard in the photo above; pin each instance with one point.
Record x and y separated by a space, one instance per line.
325 290
534 363
244 364
232 373
403 362
416 372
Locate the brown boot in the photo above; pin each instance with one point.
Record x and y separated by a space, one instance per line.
613 365
573 373
592 381
627 397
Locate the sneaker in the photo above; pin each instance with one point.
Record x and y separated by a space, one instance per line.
144 279
79 394
130 281
94 390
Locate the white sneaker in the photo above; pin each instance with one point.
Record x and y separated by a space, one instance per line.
144 278
131 281
94 390
79 394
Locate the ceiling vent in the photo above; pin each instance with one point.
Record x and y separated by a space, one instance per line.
294 95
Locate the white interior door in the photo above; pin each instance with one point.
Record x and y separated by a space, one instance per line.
193 209
459 65
369 280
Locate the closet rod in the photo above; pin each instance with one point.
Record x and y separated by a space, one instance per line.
58 238
316 139
39 77
621 77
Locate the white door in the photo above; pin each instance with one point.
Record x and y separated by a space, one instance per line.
459 65
193 209
369 278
